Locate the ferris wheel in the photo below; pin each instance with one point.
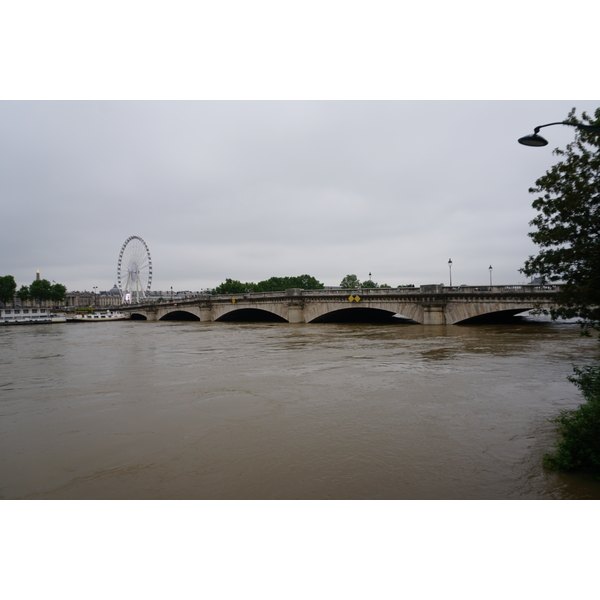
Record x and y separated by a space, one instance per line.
134 271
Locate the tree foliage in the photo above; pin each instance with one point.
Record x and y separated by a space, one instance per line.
23 293
579 446
273 284
43 291
59 293
350 282
231 286
8 287
567 227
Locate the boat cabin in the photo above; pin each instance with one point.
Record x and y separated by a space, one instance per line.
25 315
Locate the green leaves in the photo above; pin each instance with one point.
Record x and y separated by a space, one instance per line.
350 282
8 286
579 446
274 284
42 291
23 293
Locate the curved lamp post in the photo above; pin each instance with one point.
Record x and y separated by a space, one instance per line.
538 140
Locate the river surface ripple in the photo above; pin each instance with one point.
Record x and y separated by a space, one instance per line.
180 410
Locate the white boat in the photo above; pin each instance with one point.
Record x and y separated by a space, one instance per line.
100 317
24 316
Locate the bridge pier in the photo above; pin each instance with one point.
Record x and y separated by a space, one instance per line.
433 314
295 314
205 314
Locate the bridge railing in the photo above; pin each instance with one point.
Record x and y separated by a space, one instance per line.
363 292
501 289
425 289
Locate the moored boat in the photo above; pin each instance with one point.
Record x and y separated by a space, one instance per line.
100 317
24 316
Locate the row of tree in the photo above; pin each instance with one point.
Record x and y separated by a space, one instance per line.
351 282
305 282
274 284
40 289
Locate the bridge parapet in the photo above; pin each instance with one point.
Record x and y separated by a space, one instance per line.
336 293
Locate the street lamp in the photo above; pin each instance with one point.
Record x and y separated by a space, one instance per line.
538 140
490 275
450 267
171 293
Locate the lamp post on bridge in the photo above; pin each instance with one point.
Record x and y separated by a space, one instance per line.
490 275
450 269
537 140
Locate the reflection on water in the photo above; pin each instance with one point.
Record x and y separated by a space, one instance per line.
265 410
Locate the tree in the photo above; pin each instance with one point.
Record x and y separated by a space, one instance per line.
568 227
58 293
579 446
307 282
232 286
568 233
350 282
8 287
369 283
41 290
273 284
23 293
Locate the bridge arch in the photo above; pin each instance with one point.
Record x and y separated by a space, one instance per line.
252 314
329 311
179 315
138 316
496 316
234 312
359 314
464 312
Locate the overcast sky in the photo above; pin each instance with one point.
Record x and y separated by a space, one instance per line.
249 188
254 189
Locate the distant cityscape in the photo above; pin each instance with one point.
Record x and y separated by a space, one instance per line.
113 297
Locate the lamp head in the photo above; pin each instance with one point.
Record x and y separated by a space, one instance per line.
533 140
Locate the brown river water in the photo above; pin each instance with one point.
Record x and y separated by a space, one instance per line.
189 410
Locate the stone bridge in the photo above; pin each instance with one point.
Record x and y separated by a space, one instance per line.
428 304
